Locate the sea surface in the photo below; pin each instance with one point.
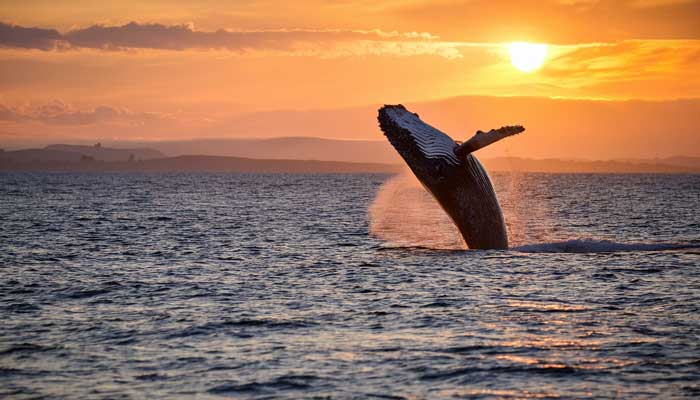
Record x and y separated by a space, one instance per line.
212 286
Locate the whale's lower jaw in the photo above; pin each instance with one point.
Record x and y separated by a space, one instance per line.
462 188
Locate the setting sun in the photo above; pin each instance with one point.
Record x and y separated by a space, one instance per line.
527 57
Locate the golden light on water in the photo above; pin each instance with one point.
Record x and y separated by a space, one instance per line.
527 57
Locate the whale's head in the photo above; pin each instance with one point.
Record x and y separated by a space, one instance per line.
428 152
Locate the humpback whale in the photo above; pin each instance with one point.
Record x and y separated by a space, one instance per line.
451 173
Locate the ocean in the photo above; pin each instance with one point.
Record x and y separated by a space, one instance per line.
345 286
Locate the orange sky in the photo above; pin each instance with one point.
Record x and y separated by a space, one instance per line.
170 70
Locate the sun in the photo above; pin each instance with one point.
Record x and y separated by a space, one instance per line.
527 57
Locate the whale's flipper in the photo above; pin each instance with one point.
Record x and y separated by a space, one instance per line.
483 139
451 173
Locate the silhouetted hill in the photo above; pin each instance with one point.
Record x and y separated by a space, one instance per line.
108 154
282 148
583 166
67 152
38 155
689 162
201 164
369 151
295 155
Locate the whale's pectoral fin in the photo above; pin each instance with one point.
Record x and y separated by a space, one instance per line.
483 139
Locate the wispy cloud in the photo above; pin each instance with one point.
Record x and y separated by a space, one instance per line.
59 113
659 3
626 60
326 42
625 3
28 38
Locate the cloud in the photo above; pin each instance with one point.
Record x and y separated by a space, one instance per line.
28 38
659 3
551 21
626 60
626 3
8 113
182 37
59 113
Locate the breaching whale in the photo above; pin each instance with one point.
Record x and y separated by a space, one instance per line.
451 173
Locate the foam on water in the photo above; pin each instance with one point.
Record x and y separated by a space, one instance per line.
599 246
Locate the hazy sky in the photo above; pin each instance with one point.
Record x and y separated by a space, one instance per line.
171 69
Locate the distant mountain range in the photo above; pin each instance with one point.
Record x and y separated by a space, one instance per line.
68 152
556 128
283 148
201 164
290 155
668 165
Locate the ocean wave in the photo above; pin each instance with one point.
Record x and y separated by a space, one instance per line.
286 382
599 246
25 348
545 369
241 326
564 246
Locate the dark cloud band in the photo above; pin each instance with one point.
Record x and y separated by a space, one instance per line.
181 37
28 38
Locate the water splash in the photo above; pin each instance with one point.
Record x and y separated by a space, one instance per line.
404 214
528 219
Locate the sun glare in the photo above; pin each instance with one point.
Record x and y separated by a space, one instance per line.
527 57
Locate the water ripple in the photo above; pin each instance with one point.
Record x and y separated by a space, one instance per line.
283 286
